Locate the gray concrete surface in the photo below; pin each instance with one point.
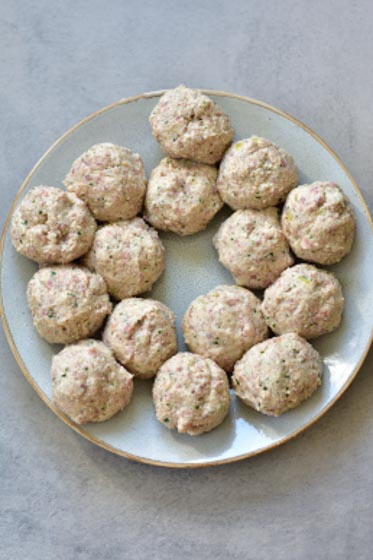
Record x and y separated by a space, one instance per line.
63 498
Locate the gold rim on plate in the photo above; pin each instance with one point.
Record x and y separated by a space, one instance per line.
44 397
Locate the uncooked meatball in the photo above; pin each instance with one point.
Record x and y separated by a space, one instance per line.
304 300
251 245
223 324
110 179
142 335
191 394
255 173
88 385
277 374
129 256
52 226
189 125
319 222
67 303
182 196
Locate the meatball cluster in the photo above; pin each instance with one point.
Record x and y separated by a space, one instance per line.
95 272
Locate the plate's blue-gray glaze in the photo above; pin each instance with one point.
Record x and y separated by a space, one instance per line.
192 269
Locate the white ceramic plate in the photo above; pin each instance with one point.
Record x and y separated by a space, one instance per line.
192 269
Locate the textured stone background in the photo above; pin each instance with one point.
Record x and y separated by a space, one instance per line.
63 498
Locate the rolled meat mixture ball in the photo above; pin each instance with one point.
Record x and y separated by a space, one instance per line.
189 125
255 173
304 300
223 324
142 335
277 374
191 394
182 196
251 245
129 256
67 303
88 385
319 222
52 226
110 179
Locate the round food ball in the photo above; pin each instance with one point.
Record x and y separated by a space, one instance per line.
182 196
52 226
277 374
304 300
223 324
67 303
251 245
142 335
88 385
319 222
189 125
191 394
129 256
255 173
110 179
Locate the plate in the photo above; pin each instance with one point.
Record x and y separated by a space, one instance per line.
192 268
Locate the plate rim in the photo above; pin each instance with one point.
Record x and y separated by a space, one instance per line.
80 430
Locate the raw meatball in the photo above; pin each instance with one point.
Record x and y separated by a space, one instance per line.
277 374
304 300
319 222
52 226
191 394
88 384
182 196
142 335
255 173
67 303
189 125
111 180
128 255
251 245
223 324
